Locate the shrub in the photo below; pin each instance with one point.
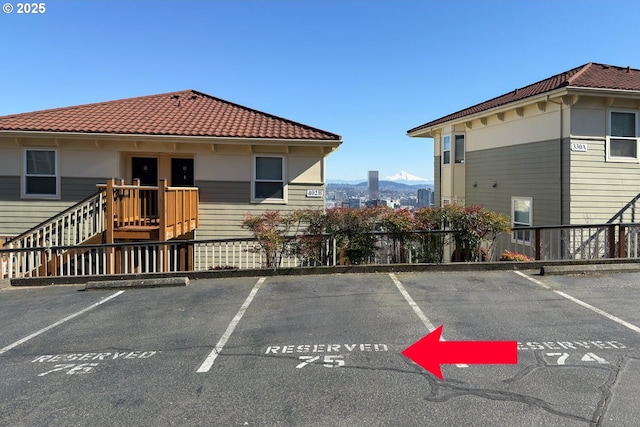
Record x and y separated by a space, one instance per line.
401 225
472 226
514 256
353 230
429 218
304 232
272 230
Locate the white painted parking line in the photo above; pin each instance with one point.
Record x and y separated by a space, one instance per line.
58 323
417 310
582 303
531 279
208 362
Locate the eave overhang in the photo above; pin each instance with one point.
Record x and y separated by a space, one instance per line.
170 138
568 94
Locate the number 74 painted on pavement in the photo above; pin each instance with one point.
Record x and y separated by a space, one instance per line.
589 357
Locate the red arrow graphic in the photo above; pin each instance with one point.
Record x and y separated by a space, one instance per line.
430 352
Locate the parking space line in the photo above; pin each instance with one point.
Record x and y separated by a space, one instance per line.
208 362
58 323
412 303
417 310
582 303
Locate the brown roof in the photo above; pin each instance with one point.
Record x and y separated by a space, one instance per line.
185 113
591 75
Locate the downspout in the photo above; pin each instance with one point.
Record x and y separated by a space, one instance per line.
561 162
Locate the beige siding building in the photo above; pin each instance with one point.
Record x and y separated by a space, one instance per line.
560 151
241 160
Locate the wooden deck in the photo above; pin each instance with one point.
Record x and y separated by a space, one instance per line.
116 213
149 213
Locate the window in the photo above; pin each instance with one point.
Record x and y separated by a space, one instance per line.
41 174
521 213
268 178
446 150
459 149
622 141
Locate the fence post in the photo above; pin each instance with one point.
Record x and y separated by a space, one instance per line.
109 211
162 210
108 222
621 241
42 269
612 241
189 262
183 256
538 234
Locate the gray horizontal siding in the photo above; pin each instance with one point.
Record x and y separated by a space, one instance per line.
224 205
76 189
600 188
231 192
18 215
526 170
9 188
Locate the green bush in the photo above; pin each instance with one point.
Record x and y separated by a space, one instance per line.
304 232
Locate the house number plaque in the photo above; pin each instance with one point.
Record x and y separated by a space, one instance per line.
315 193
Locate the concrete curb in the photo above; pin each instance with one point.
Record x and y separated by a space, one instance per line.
550 270
162 282
605 264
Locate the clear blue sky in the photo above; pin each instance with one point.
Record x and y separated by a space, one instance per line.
367 70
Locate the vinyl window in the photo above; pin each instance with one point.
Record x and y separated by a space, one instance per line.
522 216
268 179
40 174
458 149
446 150
622 141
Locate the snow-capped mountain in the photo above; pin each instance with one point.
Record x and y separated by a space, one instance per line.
401 177
407 178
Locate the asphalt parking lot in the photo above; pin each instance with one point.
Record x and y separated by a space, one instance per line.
322 351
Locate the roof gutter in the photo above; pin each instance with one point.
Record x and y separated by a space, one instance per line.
171 138
428 132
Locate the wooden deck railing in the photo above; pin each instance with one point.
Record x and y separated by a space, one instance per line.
162 211
179 210
76 225
115 212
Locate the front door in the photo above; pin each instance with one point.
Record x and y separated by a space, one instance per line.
145 169
182 173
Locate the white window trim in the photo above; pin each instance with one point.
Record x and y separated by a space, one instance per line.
449 150
23 186
455 149
513 239
618 159
254 180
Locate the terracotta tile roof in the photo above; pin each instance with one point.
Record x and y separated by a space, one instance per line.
591 75
184 113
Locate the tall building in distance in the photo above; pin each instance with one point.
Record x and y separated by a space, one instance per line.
374 185
424 198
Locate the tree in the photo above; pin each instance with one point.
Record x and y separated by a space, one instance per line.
273 232
471 226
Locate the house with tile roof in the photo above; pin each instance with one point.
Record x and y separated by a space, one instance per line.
238 159
563 150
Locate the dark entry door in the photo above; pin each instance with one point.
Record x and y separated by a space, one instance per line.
145 169
182 172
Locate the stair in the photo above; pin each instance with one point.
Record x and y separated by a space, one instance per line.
115 213
82 223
